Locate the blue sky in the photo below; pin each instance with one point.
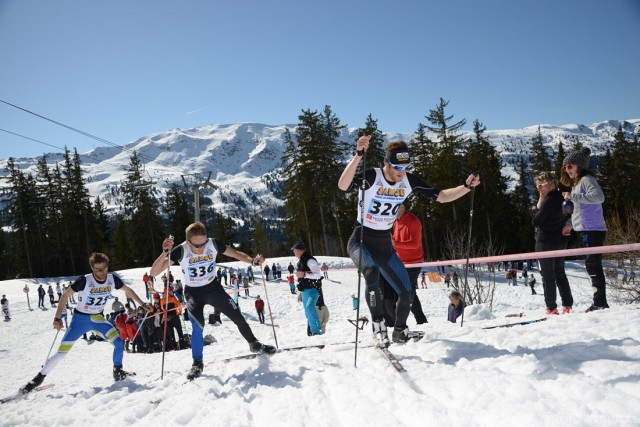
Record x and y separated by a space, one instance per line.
122 69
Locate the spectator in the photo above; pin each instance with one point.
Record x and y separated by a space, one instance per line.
139 343
456 278
423 280
266 271
117 306
407 242
456 307
58 290
171 314
250 273
447 280
72 296
309 283
245 285
178 290
52 299
121 325
325 270
260 308
549 221
94 291
532 284
291 268
292 286
586 217
5 308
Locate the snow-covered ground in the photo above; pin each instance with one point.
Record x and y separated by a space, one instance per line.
577 369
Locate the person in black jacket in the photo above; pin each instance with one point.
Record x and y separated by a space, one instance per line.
41 294
549 221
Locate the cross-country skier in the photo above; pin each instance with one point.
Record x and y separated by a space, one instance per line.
93 290
386 189
197 259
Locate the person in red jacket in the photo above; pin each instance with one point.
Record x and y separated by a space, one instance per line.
407 242
260 308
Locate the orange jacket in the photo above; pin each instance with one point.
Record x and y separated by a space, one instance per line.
407 238
173 303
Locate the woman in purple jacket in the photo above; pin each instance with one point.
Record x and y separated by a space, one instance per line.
587 218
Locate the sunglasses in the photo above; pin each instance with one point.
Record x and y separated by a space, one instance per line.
400 167
568 167
100 270
198 246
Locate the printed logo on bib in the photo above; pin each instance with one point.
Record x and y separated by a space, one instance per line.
382 201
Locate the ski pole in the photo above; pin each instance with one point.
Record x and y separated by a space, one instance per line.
466 266
266 296
166 305
361 201
51 348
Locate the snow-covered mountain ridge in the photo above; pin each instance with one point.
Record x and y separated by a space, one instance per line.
244 159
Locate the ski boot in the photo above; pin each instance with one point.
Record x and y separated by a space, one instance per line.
400 334
380 337
33 383
119 374
258 347
196 370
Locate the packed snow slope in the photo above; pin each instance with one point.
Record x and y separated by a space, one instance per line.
570 370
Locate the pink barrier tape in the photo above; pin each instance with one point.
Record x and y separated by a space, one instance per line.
535 255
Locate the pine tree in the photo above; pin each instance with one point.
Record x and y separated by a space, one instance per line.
424 152
310 177
22 220
490 200
540 160
375 153
179 211
102 225
560 155
521 236
141 215
448 167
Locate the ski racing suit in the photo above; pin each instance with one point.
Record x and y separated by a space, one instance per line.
201 287
382 200
87 316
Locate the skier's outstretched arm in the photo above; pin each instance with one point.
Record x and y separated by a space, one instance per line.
241 256
161 263
132 294
349 172
451 194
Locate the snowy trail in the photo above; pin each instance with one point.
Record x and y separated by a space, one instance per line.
577 369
